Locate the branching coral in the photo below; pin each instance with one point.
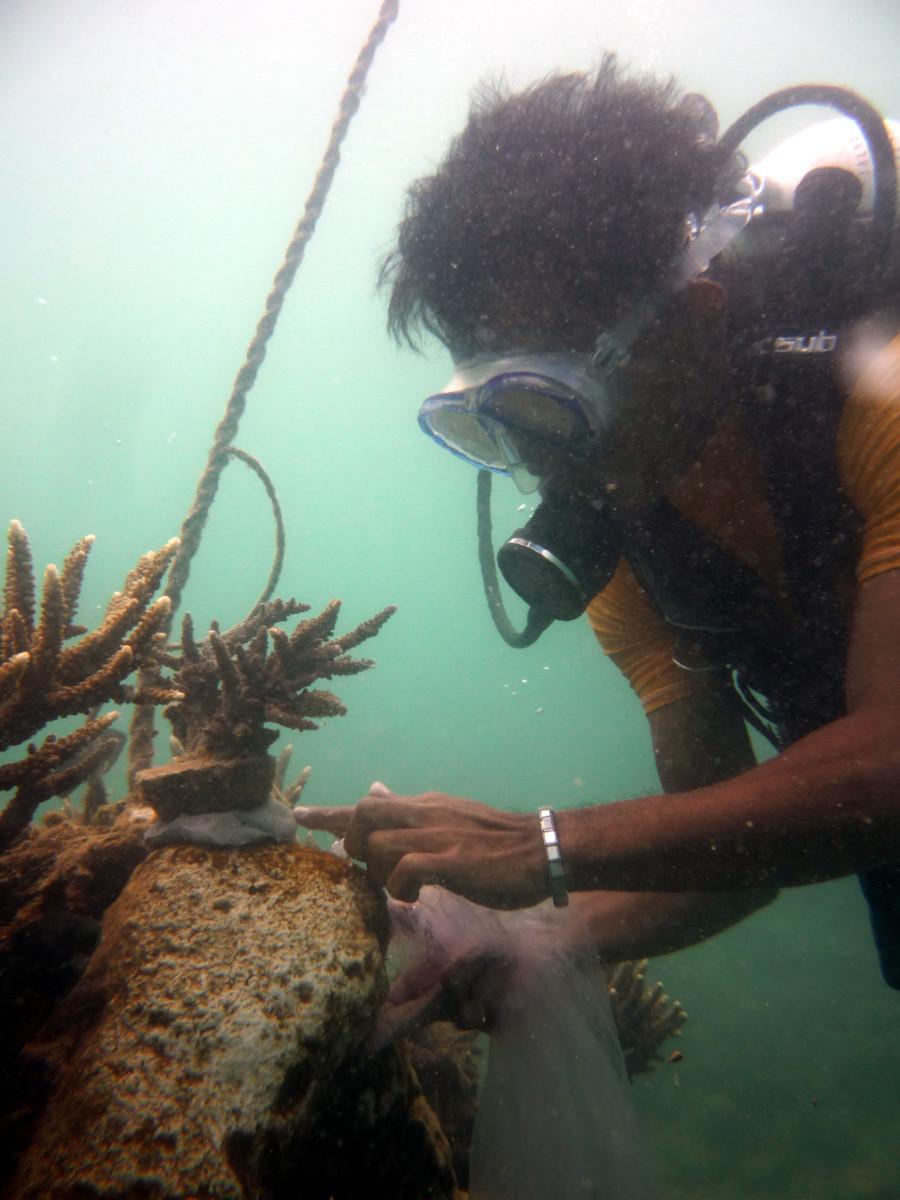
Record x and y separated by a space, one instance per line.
645 1016
43 676
94 797
285 793
230 685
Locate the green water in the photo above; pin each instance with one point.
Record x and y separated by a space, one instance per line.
155 157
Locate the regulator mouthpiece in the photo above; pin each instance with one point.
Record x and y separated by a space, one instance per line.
562 557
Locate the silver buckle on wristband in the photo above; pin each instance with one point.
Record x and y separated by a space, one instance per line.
558 887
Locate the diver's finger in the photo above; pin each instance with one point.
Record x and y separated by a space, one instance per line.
399 1020
417 981
467 993
381 790
475 990
390 842
406 919
413 871
331 820
377 817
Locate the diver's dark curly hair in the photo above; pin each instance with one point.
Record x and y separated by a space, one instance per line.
553 207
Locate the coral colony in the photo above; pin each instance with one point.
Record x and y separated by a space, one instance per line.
225 690
42 677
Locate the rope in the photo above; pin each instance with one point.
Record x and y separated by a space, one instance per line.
194 522
256 466
140 748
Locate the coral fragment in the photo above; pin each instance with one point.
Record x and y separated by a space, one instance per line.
229 686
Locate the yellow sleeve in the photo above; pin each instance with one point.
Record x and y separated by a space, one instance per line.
868 451
635 636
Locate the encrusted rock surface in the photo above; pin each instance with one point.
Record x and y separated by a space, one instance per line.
55 884
215 1045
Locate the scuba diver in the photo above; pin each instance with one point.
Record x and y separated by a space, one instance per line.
693 364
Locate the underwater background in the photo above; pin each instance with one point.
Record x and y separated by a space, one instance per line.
155 158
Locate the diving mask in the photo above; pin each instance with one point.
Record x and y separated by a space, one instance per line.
497 412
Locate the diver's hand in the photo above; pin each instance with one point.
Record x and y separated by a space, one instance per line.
467 990
490 856
458 961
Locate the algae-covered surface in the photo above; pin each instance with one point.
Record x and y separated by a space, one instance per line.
156 156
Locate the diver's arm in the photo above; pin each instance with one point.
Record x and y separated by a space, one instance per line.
827 806
623 925
700 740
697 741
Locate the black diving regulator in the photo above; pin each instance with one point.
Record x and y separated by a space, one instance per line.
569 549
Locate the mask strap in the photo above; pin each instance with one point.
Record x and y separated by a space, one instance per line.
719 228
613 347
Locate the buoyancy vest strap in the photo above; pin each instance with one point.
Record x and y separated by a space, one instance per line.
723 614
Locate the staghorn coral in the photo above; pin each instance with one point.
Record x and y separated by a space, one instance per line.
45 673
284 793
95 798
645 1016
230 685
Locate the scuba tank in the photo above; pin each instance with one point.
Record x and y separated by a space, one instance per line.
817 257
833 145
